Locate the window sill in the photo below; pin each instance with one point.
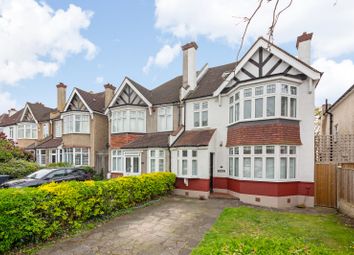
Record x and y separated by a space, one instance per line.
77 133
262 179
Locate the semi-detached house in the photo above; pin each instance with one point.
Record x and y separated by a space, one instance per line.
243 128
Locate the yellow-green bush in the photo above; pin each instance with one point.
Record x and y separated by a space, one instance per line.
34 214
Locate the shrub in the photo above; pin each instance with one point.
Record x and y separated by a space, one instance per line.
33 214
58 165
9 151
18 168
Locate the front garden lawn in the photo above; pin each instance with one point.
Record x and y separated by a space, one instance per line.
247 230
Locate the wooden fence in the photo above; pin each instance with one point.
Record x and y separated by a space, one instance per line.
334 148
345 193
326 185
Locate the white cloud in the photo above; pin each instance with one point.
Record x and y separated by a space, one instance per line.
163 57
35 39
337 78
99 80
6 102
218 19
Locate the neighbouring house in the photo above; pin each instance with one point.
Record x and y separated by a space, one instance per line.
243 128
29 126
338 118
79 129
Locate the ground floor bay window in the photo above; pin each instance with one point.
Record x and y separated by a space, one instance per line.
187 163
76 156
263 162
127 162
41 157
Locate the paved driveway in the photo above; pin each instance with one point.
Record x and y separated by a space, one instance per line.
172 226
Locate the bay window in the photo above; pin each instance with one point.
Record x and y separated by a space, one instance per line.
41 157
27 131
200 114
76 156
156 161
128 120
259 162
260 102
165 119
76 123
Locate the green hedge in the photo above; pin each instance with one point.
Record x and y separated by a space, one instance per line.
37 214
18 168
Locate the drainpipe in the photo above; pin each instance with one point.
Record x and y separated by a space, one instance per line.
330 131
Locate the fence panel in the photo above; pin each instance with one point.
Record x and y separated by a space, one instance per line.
334 148
345 177
325 185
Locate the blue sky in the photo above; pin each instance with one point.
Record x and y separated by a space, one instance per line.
124 34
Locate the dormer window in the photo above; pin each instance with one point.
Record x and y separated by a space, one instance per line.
76 123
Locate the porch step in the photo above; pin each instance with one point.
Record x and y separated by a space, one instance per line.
219 195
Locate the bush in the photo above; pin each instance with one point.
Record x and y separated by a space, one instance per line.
36 214
58 165
18 168
9 151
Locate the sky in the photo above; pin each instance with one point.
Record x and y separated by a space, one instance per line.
89 43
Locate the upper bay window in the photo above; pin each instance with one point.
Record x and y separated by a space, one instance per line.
76 123
200 114
128 120
27 131
263 102
165 118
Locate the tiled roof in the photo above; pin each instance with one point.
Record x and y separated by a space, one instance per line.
341 98
194 138
10 120
144 91
32 146
211 81
51 143
94 100
40 111
150 140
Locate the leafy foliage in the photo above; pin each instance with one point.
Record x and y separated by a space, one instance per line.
255 231
9 151
58 165
36 214
18 168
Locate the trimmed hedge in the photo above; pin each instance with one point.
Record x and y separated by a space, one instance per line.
18 168
37 214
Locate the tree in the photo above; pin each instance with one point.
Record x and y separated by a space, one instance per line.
8 150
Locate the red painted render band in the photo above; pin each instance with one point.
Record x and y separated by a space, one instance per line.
193 184
265 188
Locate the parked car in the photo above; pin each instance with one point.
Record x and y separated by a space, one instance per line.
48 175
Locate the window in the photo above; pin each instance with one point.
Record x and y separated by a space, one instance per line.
259 108
188 161
234 108
271 88
58 132
247 109
288 101
132 163
165 120
261 162
156 160
41 157
117 161
128 120
11 133
45 130
270 106
76 123
53 156
247 92
200 114
76 156
27 131
284 106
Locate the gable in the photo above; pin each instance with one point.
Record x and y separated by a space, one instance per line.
265 64
76 104
27 116
128 96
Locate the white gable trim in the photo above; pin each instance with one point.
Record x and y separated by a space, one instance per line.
24 111
119 90
73 93
261 42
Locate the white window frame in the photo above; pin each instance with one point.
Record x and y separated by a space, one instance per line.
165 118
120 117
131 155
116 156
158 155
192 157
32 127
198 108
275 92
58 128
41 157
45 130
70 120
11 132
276 155
76 152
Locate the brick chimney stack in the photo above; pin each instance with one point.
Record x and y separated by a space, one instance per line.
61 96
108 94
